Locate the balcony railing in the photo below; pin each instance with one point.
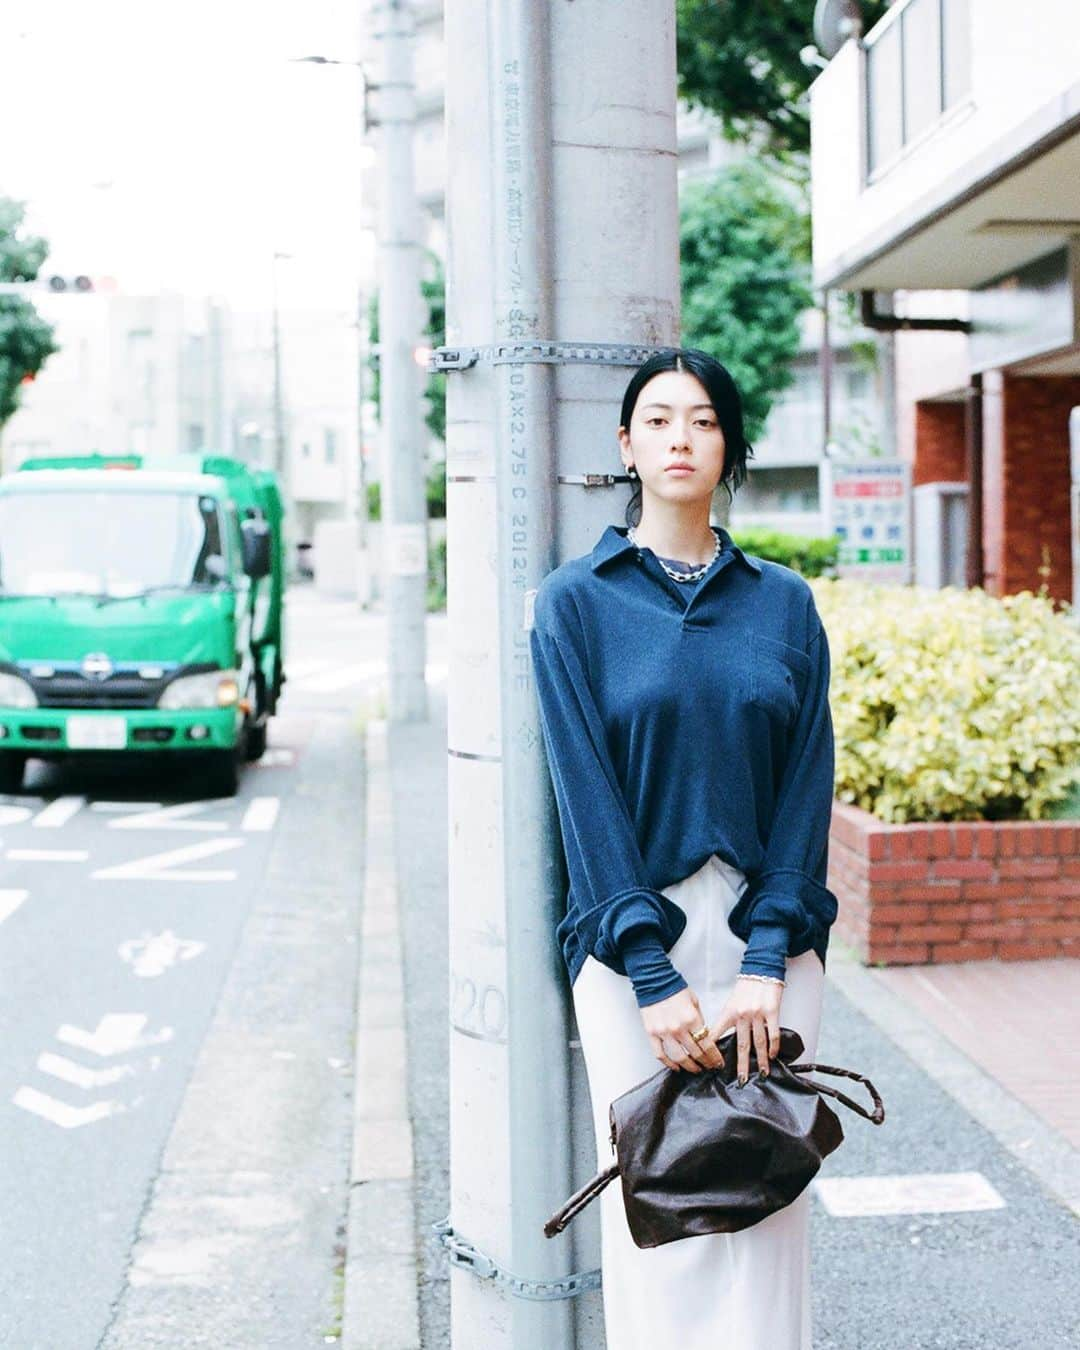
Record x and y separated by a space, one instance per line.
918 66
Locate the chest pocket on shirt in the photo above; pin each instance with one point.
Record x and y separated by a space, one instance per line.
778 675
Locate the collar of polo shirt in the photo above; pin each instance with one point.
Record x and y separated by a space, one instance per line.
613 542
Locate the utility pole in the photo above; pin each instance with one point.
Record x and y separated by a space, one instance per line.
363 563
403 498
562 220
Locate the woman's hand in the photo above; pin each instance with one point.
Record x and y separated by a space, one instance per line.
668 1025
753 1009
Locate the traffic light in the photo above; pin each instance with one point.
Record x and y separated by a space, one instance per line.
60 284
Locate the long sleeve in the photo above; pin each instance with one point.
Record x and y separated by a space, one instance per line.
619 919
788 905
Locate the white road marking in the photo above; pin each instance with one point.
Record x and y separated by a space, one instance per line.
125 806
152 955
914 1193
163 866
341 677
10 902
261 813
61 1067
115 1034
58 812
170 818
47 854
276 759
60 1113
14 815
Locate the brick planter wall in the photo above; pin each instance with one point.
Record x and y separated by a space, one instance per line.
962 891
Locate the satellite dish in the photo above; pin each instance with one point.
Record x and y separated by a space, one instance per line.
834 22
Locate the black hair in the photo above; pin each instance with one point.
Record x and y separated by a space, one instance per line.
724 396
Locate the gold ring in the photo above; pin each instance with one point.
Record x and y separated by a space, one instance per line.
700 1034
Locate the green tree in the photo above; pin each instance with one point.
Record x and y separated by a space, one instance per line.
745 261
433 289
26 340
740 60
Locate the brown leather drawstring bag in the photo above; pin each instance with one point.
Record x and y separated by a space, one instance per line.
698 1154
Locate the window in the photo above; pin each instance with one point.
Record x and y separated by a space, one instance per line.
918 65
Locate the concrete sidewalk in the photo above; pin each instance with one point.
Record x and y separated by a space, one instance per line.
996 1040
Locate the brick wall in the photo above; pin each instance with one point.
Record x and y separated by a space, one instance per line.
939 444
963 891
1026 482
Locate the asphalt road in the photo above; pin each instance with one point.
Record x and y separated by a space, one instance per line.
177 988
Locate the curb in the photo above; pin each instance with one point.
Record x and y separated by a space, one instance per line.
381 1309
1038 1147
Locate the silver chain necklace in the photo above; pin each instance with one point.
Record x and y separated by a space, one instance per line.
672 572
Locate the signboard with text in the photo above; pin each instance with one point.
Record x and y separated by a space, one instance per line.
868 506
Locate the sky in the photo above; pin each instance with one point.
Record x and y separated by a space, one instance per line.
173 144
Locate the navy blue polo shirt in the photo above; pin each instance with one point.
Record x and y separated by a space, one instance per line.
682 719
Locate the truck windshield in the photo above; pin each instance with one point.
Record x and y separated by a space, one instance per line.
115 544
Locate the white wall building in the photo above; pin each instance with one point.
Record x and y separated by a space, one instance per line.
946 170
168 373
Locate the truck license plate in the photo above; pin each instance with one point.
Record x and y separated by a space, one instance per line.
97 733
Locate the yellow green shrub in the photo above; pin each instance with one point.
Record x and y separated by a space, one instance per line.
951 704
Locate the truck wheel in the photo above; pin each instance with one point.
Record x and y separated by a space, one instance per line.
222 772
12 764
256 741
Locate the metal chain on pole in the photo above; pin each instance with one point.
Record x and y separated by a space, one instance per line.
462 1253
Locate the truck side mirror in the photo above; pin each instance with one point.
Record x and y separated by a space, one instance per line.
256 537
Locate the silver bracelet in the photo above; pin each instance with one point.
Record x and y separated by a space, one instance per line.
765 979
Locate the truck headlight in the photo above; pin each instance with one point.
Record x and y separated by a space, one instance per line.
15 692
211 689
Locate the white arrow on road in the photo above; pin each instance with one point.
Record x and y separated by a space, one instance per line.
61 1067
116 1033
162 866
60 1113
153 955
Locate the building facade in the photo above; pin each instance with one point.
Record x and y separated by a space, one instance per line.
946 175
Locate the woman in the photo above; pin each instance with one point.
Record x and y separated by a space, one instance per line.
683 691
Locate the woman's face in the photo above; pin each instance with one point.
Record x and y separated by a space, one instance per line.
674 423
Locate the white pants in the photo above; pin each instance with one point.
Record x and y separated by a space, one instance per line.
723 1291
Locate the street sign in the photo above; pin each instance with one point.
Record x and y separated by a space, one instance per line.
868 506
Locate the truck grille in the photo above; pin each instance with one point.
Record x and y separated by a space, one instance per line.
124 688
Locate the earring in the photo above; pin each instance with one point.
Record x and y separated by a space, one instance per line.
631 471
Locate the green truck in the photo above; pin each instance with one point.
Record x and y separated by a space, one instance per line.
141 608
